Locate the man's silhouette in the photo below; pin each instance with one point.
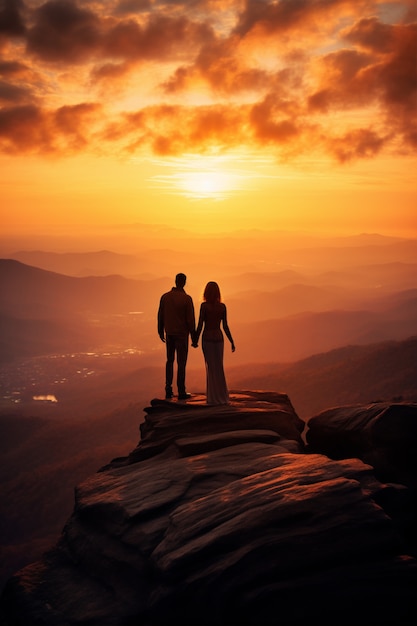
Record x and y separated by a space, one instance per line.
176 321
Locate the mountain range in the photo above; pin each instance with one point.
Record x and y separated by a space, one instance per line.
44 312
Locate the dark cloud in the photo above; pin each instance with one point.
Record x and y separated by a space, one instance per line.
10 93
17 83
127 7
385 76
371 33
360 143
161 38
22 129
395 72
271 16
33 130
398 81
72 124
110 71
63 32
345 81
274 120
11 20
221 68
285 15
399 73
12 68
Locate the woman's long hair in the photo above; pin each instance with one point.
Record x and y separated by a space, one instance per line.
212 293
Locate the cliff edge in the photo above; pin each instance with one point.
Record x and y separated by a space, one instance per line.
232 516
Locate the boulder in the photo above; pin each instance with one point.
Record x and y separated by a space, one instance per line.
381 434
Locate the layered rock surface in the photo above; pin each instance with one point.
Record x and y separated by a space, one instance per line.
220 516
382 434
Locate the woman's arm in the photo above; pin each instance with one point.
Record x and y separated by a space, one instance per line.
200 325
227 329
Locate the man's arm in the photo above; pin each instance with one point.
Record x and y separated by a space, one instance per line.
190 316
161 324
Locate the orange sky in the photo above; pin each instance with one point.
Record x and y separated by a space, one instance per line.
210 115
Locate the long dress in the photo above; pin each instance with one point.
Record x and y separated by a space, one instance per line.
211 316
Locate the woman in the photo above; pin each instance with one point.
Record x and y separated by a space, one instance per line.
213 313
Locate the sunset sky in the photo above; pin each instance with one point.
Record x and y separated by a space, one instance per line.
210 115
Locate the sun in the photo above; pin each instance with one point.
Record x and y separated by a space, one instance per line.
205 184
203 177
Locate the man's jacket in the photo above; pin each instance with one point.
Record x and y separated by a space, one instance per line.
176 313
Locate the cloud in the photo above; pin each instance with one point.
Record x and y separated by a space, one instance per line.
13 93
16 83
73 124
360 143
63 31
274 120
11 21
345 81
286 76
132 7
383 75
170 130
29 129
161 38
221 67
290 15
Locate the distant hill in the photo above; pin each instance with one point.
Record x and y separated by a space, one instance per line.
380 277
32 292
45 312
345 253
348 375
145 251
250 306
100 263
295 337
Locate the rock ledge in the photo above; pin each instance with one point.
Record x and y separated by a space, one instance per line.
220 516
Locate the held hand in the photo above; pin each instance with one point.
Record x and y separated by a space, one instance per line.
194 345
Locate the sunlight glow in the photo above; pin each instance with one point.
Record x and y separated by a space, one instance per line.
205 184
214 177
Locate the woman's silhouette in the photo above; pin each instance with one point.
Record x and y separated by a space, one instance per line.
213 313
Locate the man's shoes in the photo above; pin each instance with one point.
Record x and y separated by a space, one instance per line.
184 396
169 395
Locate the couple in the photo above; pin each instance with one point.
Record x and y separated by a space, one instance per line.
176 321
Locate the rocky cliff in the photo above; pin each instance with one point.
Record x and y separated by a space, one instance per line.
233 516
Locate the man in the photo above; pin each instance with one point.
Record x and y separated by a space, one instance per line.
176 321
